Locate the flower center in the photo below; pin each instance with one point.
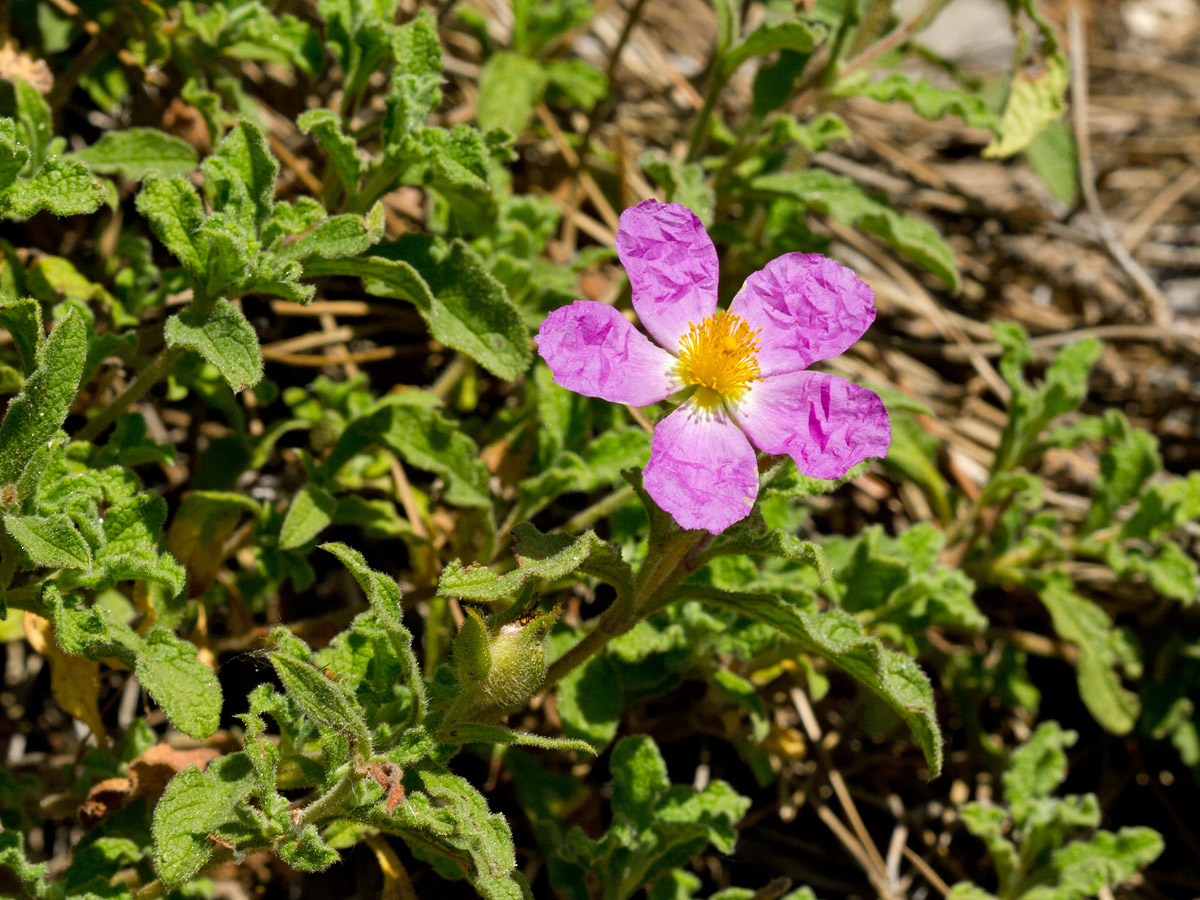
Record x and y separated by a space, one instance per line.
718 356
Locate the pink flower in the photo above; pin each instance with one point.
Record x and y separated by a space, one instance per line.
746 365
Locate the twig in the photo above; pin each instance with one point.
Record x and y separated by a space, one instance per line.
1160 206
926 870
1159 308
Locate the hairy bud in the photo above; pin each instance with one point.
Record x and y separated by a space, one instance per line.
506 664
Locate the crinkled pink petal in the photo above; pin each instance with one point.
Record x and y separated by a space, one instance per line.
672 268
593 350
702 469
809 308
825 423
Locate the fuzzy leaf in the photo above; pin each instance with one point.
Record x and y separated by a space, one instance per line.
137 152
195 805
1083 623
224 338
172 206
846 202
22 319
545 556
64 188
245 149
927 99
312 509
323 700
799 37
838 637
1084 868
1034 102
36 414
185 688
384 596
339 237
510 86
469 309
32 875
1130 458
474 733
408 425
326 127
51 541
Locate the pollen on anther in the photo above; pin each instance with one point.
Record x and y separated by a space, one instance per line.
718 355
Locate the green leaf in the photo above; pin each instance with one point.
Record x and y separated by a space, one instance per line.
474 733
1032 410
172 206
384 596
1130 458
1164 507
185 688
22 319
590 701
37 413
407 425
138 152
797 36
326 126
223 337
1035 100
1101 651
306 850
245 149
94 865
846 202
1084 868
1037 768
837 637
545 556
510 86
655 826
195 805
927 99
470 310
312 509
753 538
1054 159
62 187
339 237
683 183
34 118
32 875
13 155
52 541
323 700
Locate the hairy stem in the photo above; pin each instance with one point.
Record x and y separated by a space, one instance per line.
158 369
329 800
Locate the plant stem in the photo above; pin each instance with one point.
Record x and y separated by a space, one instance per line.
658 573
331 798
598 510
700 130
162 364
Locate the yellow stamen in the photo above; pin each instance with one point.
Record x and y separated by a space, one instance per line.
718 356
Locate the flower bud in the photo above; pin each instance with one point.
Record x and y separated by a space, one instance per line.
506 665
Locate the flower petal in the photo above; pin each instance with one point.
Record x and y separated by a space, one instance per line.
672 268
593 350
825 423
702 469
809 308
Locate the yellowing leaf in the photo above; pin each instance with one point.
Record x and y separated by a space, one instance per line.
74 680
